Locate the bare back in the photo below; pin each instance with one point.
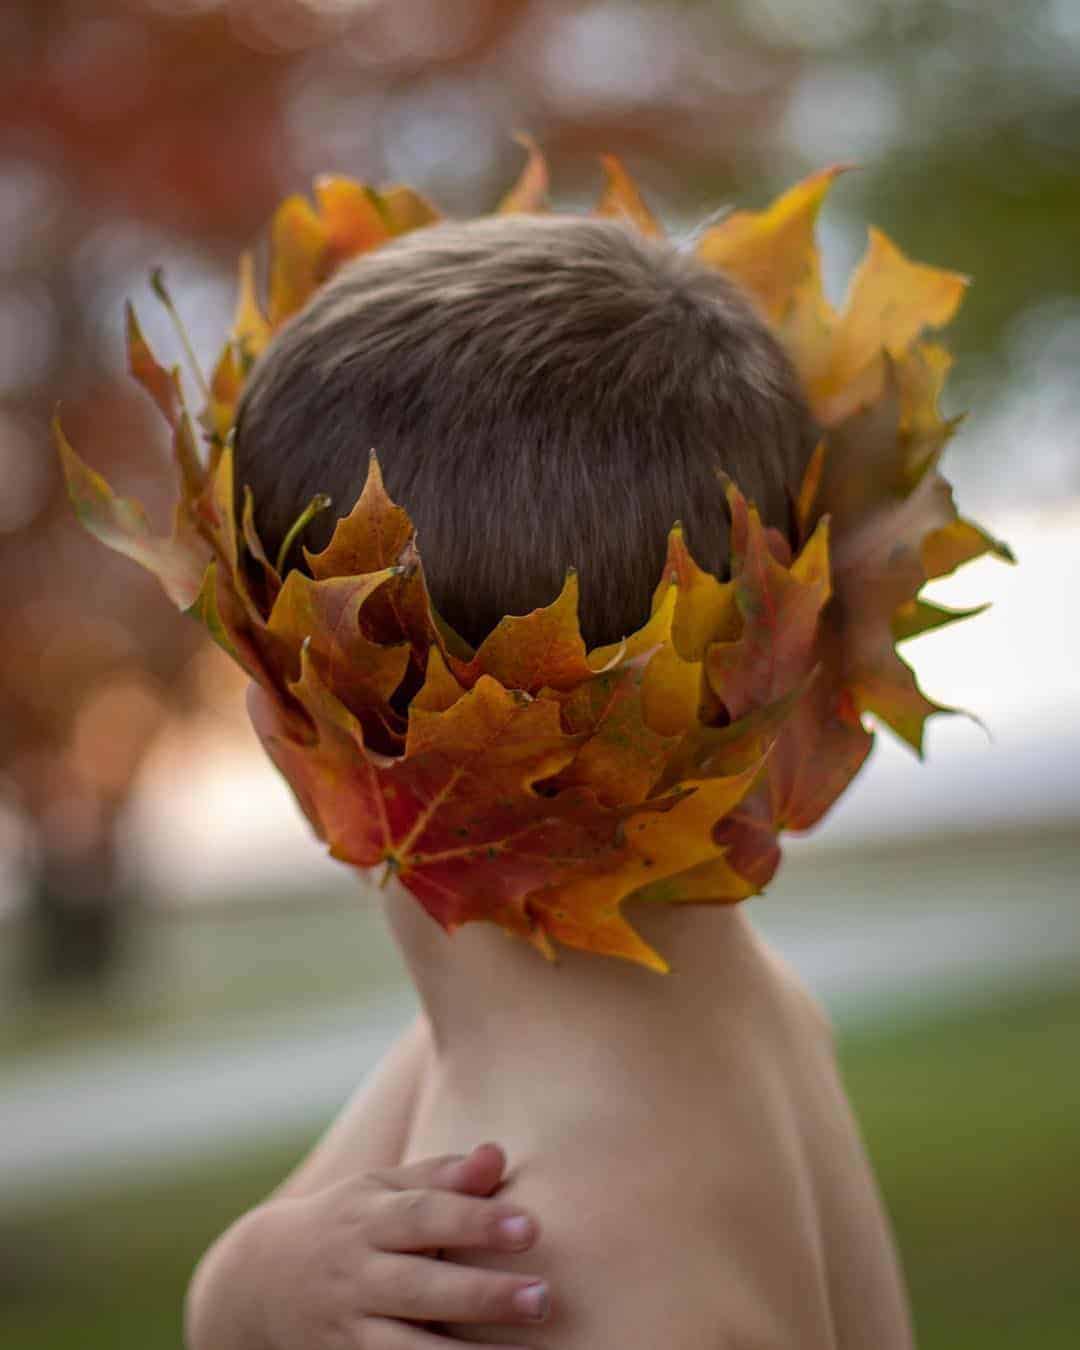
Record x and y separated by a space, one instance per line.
685 1141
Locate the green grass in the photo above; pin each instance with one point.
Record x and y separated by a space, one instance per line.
107 1271
973 1123
972 1120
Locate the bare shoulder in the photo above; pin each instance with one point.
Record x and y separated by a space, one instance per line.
865 1287
801 1009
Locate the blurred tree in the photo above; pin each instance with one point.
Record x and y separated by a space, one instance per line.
964 116
116 122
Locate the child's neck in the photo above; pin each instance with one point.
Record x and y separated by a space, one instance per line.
487 993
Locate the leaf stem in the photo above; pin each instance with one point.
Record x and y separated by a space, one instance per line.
318 503
157 283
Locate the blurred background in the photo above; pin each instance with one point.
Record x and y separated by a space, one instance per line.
188 988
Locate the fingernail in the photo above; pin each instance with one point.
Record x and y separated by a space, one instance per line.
532 1300
517 1230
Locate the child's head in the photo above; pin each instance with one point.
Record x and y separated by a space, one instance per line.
542 391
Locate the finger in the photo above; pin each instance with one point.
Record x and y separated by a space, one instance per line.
428 1290
382 1333
413 1221
475 1173
480 1171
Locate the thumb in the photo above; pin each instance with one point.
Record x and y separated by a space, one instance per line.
475 1173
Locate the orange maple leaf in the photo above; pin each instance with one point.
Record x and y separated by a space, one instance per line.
531 782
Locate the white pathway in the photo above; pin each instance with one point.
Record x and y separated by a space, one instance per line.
88 1115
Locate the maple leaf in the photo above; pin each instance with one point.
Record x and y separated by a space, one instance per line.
530 782
706 609
248 336
671 683
819 747
350 217
178 560
840 356
309 242
298 242
913 617
326 615
529 194
881 521
271 581
622 756
220 610
671 692
890 302
760 677
772 254
377 533
226 382
817 753
621 200
531 651
950 546
779 607
709 751
585 909
162 385
878 570
456 817
404 209
250 330
460 821
440 689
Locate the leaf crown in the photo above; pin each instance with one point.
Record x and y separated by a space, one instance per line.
530 782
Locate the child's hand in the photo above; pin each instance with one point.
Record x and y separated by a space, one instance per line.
353 1267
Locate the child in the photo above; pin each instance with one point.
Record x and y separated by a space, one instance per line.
548 391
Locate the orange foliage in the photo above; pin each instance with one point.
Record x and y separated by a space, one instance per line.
533 783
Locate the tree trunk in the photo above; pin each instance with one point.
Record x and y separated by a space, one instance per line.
79 917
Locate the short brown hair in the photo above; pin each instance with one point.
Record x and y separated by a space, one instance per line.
542 391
